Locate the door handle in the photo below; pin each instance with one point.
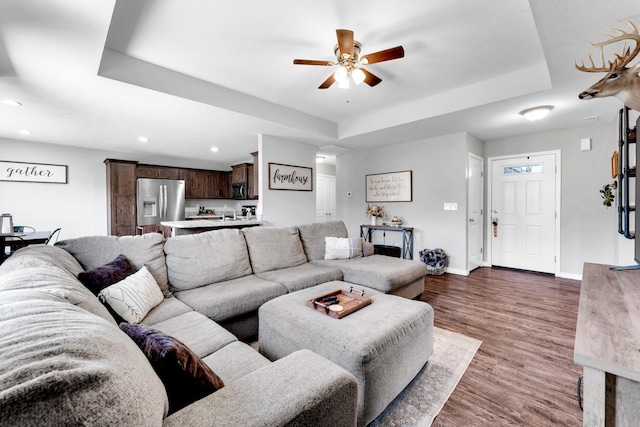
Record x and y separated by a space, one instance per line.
471 220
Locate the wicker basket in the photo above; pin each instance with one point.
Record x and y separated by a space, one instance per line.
435 259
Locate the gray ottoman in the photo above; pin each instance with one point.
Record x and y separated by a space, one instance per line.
384 345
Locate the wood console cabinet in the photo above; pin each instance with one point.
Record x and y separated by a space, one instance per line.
607 345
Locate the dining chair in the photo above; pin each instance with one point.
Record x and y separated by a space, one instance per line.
154 228
55 233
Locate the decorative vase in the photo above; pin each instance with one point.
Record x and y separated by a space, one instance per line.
374 220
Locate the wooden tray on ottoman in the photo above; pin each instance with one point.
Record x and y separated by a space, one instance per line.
351 300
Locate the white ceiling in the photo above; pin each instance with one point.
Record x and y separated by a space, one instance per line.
194 74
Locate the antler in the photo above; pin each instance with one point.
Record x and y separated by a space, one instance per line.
623 58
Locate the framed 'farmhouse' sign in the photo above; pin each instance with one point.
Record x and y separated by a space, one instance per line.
33 172
287 177
389 187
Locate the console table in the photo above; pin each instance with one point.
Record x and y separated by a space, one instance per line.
407 237
607 345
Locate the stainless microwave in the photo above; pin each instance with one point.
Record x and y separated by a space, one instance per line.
239 191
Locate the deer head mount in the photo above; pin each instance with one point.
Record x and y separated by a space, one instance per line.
620 81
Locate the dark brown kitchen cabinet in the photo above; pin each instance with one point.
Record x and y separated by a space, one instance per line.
254 176
160 172
217 185
203 184
239 173
121 197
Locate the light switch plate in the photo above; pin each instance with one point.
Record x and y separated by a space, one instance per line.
450 206
585 144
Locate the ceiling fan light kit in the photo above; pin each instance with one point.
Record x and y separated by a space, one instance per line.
347 53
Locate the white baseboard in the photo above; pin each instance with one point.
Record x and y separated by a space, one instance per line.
570 276
456 271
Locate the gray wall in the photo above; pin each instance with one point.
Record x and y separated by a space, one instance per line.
588 229
282 208
439 176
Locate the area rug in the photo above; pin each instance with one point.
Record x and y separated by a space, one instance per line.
421 401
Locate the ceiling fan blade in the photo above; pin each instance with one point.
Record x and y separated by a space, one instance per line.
312 62
327 83
383 55
345 41
370 78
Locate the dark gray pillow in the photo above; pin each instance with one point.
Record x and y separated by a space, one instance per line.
185 376
99 278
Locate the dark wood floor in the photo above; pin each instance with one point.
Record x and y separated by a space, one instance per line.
523 373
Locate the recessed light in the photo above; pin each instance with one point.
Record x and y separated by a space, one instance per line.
25 132
143 139
10 102
214 149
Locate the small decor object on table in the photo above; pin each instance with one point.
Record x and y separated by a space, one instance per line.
374 211
395 222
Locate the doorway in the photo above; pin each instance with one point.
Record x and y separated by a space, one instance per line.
524 212
475 212
325 198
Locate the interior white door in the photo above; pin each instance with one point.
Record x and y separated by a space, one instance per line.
475 212
523 211
325 198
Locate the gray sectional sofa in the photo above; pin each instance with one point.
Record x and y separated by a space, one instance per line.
64 361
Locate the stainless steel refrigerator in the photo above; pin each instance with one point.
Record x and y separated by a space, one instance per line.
160 200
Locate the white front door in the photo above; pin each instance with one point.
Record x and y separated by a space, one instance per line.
475 214
523 213
325 197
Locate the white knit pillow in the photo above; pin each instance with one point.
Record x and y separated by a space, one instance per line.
133 297
342 248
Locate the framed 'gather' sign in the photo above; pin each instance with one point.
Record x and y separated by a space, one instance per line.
389 187
33 172
287 177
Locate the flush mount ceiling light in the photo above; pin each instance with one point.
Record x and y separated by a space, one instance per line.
214 149
25 132
319 159
143 139
536 113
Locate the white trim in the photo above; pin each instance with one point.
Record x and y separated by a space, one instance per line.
481 159
455 271
489 174
572 276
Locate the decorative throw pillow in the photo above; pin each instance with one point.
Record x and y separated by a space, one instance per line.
342 248
133 297
185 376
99 278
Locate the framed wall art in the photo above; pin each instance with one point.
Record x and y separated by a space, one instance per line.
33 172
389 187
288 177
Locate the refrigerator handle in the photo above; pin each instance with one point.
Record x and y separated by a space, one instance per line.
165 202
161 200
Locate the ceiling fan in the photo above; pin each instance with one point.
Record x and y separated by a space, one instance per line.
347 51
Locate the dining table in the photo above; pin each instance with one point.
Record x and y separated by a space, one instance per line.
20 239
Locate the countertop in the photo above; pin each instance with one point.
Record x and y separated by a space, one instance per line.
210 223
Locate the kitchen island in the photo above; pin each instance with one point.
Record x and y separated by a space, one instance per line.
179 228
